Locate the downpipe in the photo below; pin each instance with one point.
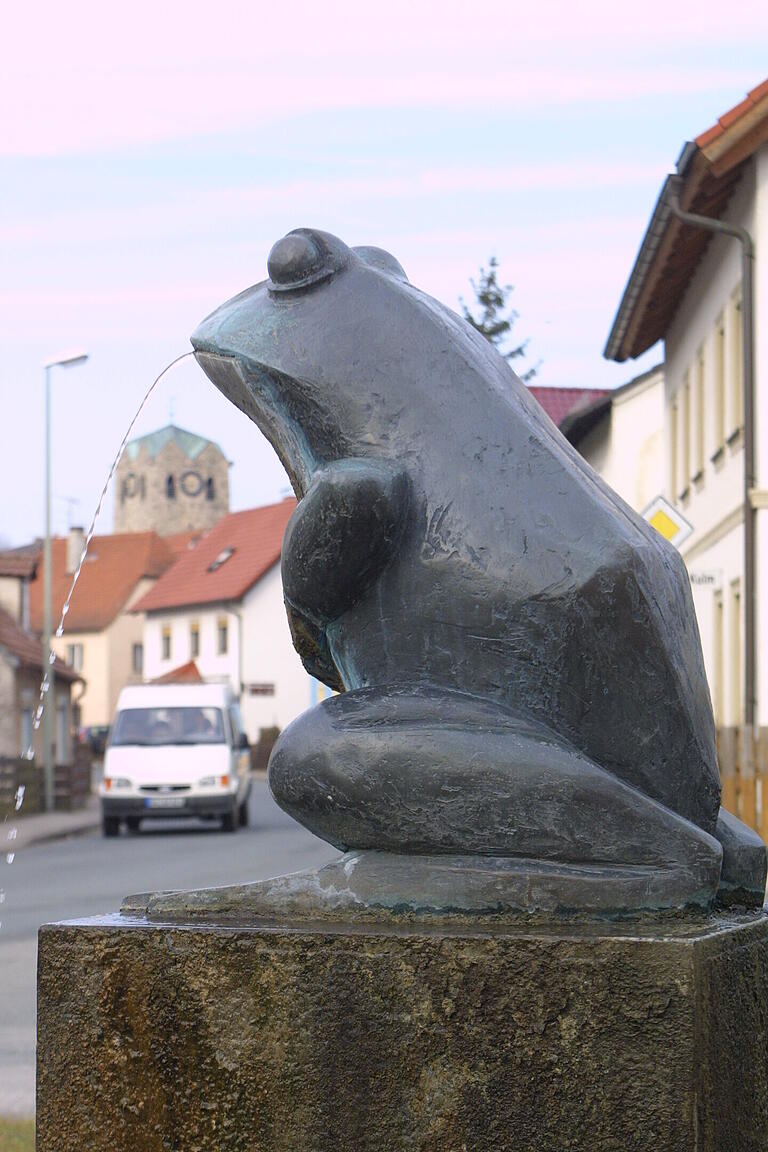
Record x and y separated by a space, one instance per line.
747 336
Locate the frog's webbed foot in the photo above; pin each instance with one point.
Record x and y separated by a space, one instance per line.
442 774
744 863
310 642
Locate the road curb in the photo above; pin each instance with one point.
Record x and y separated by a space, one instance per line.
46 837
44 827
87 821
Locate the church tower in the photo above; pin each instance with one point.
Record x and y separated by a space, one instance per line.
171 481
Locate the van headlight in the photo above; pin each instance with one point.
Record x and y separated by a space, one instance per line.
116 782
207 781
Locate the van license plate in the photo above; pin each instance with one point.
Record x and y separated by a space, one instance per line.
164 801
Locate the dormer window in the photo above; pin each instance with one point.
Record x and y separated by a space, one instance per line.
222 558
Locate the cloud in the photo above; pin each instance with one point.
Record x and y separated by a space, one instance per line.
87 77
93 112
173 216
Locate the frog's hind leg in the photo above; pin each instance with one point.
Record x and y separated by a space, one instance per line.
443 775
743 876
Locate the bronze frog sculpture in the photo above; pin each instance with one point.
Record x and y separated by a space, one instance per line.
516 652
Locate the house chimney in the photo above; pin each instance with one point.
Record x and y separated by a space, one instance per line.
75 545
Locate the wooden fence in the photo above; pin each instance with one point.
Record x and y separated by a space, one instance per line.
743 760
261 749
72 785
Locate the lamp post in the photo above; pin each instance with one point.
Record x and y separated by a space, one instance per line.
49 700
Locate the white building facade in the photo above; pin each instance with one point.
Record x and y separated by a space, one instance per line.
247 644
704 453
686 288
220 607
624 441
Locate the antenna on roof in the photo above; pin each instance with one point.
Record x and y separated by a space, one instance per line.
72 502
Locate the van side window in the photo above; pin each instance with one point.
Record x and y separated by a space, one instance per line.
236 724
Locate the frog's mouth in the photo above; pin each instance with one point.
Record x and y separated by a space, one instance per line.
268 397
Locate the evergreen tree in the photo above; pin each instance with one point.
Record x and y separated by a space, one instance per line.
493 320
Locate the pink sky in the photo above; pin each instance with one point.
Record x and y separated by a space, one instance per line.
89 75
150 155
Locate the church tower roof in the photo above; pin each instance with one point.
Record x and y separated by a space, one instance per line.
190 443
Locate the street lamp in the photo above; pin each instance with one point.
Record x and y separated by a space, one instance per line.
49 700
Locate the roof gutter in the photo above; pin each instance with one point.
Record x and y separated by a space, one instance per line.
747 336
646 256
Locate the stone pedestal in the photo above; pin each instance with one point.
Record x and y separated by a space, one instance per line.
436 1037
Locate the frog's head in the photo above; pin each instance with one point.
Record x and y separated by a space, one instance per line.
295 351
338 355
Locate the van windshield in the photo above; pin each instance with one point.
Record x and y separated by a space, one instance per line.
155 726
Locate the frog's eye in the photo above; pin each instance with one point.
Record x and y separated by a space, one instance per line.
302 258
293 262
384 261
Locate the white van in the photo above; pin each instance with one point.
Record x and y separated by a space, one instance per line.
175 750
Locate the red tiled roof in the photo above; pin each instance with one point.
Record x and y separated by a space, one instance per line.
112 569
560 402
188 673
750 101
255 538
708 172
27 648
20 562
181 542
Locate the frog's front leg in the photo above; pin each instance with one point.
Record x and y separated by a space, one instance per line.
343 534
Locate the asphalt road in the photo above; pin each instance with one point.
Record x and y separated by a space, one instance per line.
87 875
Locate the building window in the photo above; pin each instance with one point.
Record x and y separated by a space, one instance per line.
261 689
735 670
718 679
222 558
26 732
685 437
736 363
719 382
194 639
170 488
700 402
673 449
166 642
210 492
222 632
137 658
75 656
62 734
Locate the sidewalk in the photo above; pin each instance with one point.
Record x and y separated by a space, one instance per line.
50 826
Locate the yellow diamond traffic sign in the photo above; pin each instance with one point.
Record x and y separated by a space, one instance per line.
667 521
664 524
